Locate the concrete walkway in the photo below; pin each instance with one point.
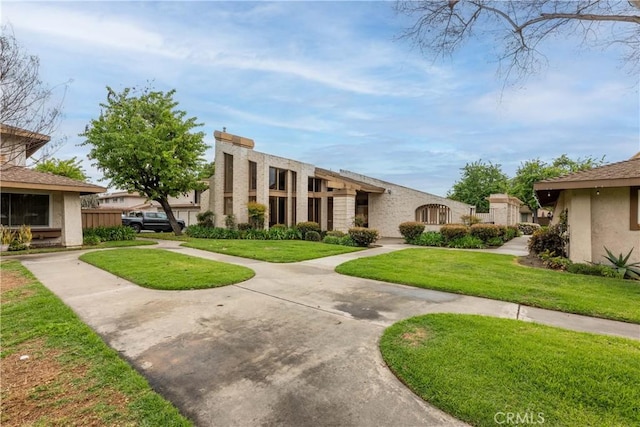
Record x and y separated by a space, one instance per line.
295 345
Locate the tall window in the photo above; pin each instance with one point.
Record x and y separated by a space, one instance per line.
27 209
433 214
277 210
228 173
294 184
314 209
315 184
228 206
277 179
253 175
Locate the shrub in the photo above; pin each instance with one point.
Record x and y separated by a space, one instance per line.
24 235
304 227
336 233
332 240
244 226
256 212
312 236
429 238
485 232
110 234
453 231
278 227
511 231
467 242
230 221
346 240
626 269
211 233
206 219
363 236
253 234
411 230
16 245
593 270
550 260
359 221
495 241
528 228
6 235
292 234
470 219
91 240
550 239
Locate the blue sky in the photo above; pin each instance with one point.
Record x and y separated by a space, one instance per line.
330 83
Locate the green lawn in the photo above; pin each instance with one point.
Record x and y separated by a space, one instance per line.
71 376
270 250
478 369
166 270
500 277
101 245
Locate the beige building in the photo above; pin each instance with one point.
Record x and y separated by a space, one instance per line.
50 204
296 192
603 207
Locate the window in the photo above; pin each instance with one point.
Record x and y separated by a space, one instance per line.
277 210
228 173
28 209
433 214
294 184
314 208
315 184
253 175
228 206
196 197
277 179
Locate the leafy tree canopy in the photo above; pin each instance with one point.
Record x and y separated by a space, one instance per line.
478 181
70 168
208 170
142 143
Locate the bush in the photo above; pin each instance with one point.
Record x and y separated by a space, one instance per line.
485 232
305 227
91 240
363 236
528 228
110 234
550 239
593 270
17 245
550 260
346 240
312 236
253 234
244 226
256 212
211 233
495 242
411 230
470 219
336 233
467 242
206 219
230 221
511 232
332 240
453 231
429 238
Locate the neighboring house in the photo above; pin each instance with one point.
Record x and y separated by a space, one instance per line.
185 207
49 203
603 207
296 192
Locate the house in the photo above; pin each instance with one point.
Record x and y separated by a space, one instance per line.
49 203
296 192
603 209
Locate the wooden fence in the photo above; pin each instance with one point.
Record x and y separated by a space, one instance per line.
101 218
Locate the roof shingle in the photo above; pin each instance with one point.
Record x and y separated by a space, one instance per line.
21 177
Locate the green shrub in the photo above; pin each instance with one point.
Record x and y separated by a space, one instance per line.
411 230
550 260
312 236
292 234
346 240
511 232
211 233
453 231
254 234
332 240
278 227
467 242
363 236
17 245
470 219
528 228
485 232
359 221
429 238
256 212
109 234
206 219
549 239
304 227
91 240
244 226
593 270
336 233
495 242
230 221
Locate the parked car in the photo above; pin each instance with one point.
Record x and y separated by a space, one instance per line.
153 221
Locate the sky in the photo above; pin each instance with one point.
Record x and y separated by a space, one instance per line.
332 84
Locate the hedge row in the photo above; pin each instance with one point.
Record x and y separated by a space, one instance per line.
107 234
458 235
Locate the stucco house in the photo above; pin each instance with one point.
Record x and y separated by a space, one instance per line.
50 204
295 192
603 207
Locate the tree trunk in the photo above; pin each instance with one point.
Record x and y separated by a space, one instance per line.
172 219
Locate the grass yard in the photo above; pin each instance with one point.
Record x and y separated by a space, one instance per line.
166 270
481 369
271 250
101 245
501 277
71 376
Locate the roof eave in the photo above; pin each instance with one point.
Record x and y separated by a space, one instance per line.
598 183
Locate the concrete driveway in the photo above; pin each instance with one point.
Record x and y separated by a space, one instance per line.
295 345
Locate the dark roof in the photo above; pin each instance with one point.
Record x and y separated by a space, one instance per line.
23 178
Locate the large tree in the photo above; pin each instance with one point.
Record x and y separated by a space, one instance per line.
536 170
478 181
517 27
142 143
71 168
27 103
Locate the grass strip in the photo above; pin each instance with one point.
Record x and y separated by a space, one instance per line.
166 270
482 369
278 251
501 277
101 245
82 380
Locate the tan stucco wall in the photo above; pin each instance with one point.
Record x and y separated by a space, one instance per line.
71 220
598 220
